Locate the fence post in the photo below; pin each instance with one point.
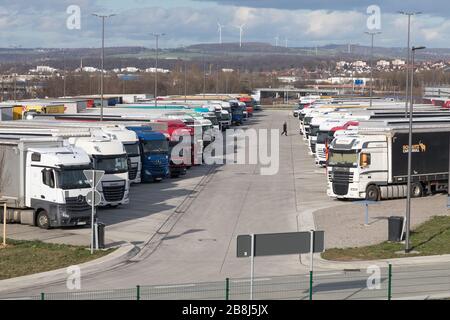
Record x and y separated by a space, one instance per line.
227 289
42 296
310 285
138 293
390 282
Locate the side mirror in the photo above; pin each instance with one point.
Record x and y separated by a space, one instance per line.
365 160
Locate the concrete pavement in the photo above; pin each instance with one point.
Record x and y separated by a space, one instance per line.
200 245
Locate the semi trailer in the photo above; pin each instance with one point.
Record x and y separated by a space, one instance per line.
43 182
372 164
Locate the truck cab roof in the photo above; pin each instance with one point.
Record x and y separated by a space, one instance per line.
98 145
61 157
147 134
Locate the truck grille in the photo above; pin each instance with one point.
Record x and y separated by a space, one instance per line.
321 153
340 189
77 204
113 193
132 172
341 177
159 166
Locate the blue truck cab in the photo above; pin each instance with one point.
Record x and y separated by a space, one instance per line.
154 154
237 113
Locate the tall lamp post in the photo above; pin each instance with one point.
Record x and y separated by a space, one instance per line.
409 14
372 34
408 197
157 36
103 17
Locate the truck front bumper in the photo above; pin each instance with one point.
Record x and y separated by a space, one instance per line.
67 218
352 192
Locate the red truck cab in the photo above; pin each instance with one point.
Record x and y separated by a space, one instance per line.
176 130
249 103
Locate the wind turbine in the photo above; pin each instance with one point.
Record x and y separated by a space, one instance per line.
286 41
241 31
220 31
276 40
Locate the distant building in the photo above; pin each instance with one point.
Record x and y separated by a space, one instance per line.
44 69
341 64
129 69
228 70
398 63
159 70
87 69
359 64
383 64
288 79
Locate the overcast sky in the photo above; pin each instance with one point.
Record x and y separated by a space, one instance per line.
32 23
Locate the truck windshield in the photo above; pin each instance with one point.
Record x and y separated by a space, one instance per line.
72 179
112 164
314 131
132 149
155 147
343 159
213 120
322 137
307 120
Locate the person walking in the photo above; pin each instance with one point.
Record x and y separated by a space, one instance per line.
284 129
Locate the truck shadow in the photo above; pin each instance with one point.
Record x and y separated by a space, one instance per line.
148 199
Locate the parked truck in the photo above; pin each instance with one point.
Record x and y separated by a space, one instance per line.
43 182
109 130
106 154
154 149
373 163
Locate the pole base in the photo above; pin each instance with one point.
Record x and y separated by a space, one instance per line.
407 253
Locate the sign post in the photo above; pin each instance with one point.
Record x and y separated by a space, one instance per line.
4 224
311 264
93 198
252 265
92 214
274 244
366 204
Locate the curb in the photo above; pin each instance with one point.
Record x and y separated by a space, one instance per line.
121 255
413 261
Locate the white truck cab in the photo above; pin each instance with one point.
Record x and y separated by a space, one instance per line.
130 141
110 156
324 137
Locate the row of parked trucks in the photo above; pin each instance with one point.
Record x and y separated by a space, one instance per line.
42 159
365 149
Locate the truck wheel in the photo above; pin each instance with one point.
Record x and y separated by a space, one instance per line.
42 220
373 193
416 190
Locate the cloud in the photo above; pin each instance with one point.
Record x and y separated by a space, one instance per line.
43 24
431 6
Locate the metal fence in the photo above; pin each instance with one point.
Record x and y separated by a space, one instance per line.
383 284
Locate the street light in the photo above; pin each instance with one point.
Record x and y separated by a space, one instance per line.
157 36
103 17
408 189
409 14
372 34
